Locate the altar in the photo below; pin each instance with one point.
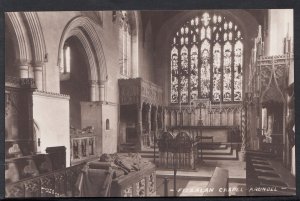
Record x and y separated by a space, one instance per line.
218 134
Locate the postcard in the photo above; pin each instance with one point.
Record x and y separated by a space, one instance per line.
149 103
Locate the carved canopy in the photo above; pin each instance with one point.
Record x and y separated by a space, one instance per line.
273 75
138 91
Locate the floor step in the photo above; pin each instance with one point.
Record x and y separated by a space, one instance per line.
205 157
232 156
214 146
227 151
149 150
208 154
149 155
127 145
269 181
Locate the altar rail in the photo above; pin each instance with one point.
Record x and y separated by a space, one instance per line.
59 183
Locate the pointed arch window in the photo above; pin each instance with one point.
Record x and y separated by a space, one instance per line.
207 60
66 68
124 43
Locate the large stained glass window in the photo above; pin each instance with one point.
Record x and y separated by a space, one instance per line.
207 60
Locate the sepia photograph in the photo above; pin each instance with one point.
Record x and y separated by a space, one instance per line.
149 103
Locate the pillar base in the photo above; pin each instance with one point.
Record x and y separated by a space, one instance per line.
242 155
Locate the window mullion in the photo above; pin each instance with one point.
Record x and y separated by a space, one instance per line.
199 67
211 68
232 71
179 74
189 47
222 69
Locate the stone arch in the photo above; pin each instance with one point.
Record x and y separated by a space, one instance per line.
83 29
16 26
36 37
29 43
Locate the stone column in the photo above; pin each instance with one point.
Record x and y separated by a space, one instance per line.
170 119
243 132
38 75
23 70
176 118
93 85
102 91
149 118
155 121
139 127
149 122
163 112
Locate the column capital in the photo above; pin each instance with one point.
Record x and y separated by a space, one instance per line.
37 64
38 68
27 83
102 82
22 62
23 67
93 82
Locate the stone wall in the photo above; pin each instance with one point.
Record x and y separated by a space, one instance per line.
51 117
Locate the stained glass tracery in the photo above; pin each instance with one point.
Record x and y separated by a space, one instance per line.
207 60
194 72
184 75
238 62
174 75
227 72
216 92
205 70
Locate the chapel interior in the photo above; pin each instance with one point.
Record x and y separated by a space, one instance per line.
149 103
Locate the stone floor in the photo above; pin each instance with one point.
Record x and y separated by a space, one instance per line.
190 188
194 182
237 170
